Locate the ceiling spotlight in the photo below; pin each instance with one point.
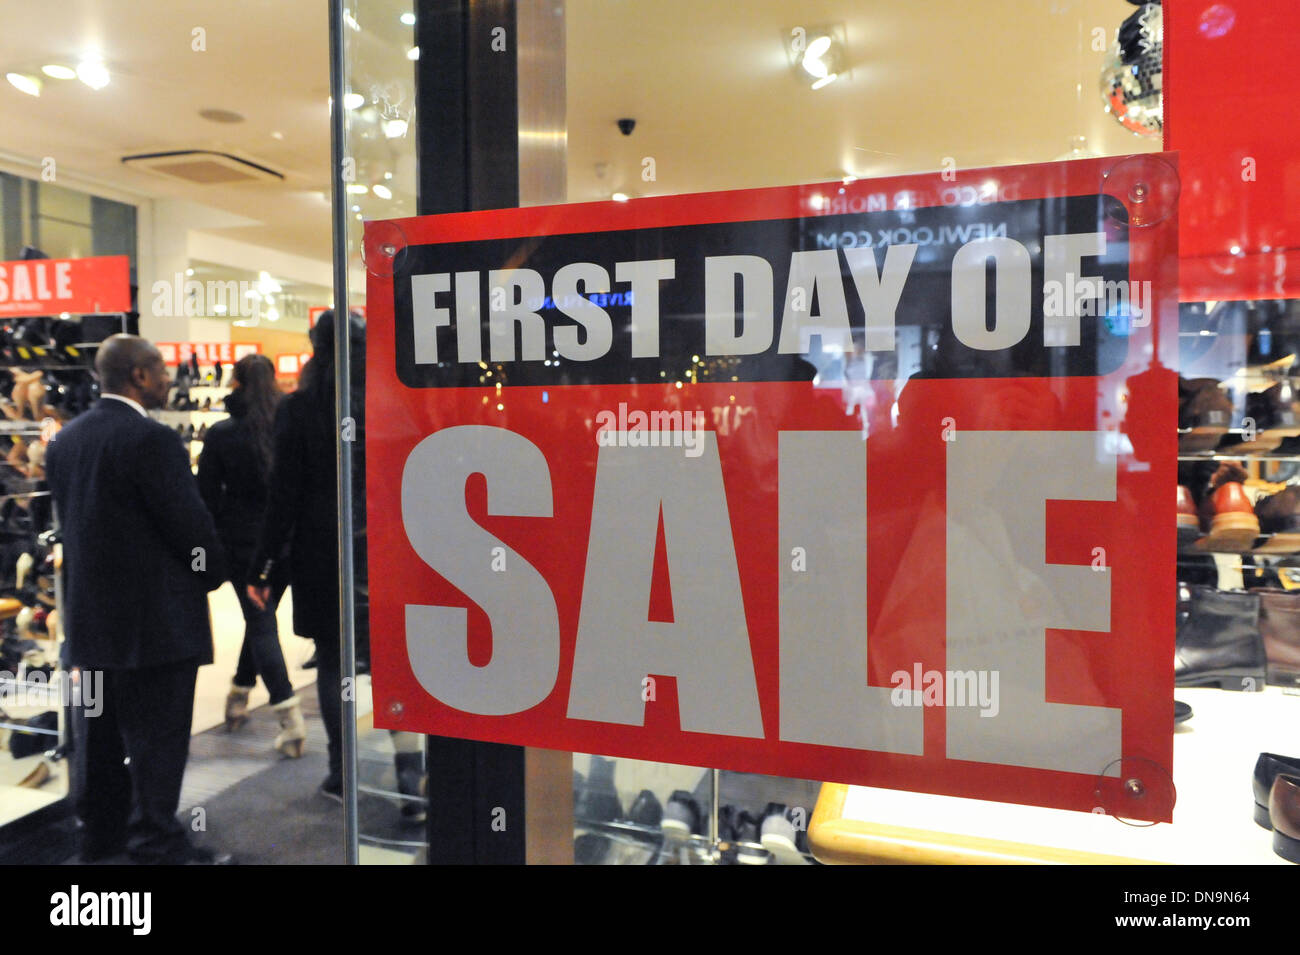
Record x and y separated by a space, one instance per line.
277 135
30 85
408 19
93 73
619 197
395 128
812 57
357 189
413 53
353 100
382 191
57 72
825 81
388 175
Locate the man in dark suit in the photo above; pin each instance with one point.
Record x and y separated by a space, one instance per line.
140 555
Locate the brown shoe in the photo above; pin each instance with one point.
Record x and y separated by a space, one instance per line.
1279 517
1204 413
1189 521
1234 525
1279 622
1284 810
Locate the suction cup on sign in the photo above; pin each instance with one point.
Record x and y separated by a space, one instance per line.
1134 789
1147 186
383 243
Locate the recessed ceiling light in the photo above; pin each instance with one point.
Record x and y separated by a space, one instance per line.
55 71
93 73
388 175
24 83
413 53
382 191
408 19
357 188
353 100
277 135
395 128
221 116
619 197
825 81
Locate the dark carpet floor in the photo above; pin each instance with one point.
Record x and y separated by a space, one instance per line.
241 797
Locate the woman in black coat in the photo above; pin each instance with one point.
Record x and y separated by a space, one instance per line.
302 516
233 472
303 513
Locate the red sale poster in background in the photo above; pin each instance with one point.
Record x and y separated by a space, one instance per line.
862 483
78 286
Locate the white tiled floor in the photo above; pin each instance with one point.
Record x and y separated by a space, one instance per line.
227 637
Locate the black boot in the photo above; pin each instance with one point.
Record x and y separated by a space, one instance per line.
1219 643
411 784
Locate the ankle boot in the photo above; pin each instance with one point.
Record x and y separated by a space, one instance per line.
411 783
236 707
293 731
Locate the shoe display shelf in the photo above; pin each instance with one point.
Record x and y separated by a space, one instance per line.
34 774
195 420
45 380
661 814
1213 816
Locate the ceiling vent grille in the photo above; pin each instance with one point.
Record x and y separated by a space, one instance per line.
202 167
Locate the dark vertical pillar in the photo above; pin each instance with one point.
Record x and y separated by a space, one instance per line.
467 141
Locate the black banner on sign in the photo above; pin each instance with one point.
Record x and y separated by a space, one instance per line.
1018 288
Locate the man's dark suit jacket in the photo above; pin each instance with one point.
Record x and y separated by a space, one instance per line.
132 519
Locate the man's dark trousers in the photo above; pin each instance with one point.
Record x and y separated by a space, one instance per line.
146 716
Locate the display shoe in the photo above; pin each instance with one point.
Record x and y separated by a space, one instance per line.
1204 413
411 783
681 816
1279 622
1182 712
597 801
1189 521
1267 768
749 848
37 778
1275 411
237 707
293 731
779 836
646 810
1284 810
1279 517
1234 525
1219 644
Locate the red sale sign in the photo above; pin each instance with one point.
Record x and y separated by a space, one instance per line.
78 286
863 483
